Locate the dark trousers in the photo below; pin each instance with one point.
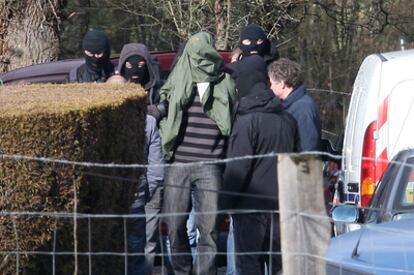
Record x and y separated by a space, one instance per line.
255 236
136 242
136 232
205 181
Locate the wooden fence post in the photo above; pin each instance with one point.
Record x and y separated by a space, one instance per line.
304 224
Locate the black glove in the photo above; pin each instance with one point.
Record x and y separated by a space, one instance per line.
158 111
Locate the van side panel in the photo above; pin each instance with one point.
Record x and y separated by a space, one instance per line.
397 91
362 111
383 93
401 117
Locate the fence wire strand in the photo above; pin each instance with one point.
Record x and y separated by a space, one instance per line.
75 216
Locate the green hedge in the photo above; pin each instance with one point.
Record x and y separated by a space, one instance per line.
99 123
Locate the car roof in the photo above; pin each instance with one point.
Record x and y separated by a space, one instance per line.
382 248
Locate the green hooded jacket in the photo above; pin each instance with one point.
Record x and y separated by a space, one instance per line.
199 62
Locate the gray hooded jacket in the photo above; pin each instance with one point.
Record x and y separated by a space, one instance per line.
154 176
152 86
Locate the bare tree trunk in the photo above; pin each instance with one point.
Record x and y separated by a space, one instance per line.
221 32
29 32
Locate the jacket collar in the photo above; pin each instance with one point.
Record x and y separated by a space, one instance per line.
294 96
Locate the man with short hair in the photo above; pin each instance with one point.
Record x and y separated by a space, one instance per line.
97 67
286 81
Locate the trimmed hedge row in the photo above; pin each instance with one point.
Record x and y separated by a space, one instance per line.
98 123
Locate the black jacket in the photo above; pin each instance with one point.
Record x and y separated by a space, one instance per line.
84 74
261 127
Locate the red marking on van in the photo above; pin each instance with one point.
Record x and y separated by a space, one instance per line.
383 113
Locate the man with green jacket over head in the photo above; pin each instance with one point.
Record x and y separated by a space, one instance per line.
200 98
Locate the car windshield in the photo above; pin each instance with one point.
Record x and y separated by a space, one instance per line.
406 192
398 204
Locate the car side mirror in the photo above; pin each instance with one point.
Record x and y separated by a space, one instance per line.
345 214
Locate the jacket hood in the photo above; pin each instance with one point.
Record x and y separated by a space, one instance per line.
248 64
139 49
260 99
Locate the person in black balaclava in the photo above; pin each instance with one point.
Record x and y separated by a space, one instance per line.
97 66
253 41
136 70
137 66
251 58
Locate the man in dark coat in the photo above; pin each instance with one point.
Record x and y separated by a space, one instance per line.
250 63
261 127
97 66
286 83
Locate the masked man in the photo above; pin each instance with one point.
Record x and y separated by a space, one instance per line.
97 66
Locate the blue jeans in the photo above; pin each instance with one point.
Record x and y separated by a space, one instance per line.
231 258
177 199
192 231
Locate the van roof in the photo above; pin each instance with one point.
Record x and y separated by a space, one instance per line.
396 55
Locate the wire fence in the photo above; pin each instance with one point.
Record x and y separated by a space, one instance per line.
69 244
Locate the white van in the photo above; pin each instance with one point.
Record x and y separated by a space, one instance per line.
380 122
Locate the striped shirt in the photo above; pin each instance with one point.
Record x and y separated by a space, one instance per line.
200 139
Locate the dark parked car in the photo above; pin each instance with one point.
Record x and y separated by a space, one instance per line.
385 242
58 71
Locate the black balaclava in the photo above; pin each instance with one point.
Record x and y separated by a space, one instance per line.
96 42
136 74
253 32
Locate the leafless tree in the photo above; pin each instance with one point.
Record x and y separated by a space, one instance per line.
29 32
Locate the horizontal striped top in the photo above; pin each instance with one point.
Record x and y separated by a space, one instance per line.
200 139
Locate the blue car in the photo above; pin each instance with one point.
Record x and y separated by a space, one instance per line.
385 242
